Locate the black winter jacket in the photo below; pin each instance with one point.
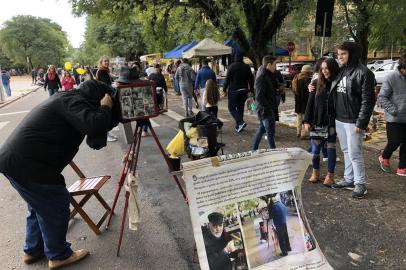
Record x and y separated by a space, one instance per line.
359 99
52 84
319 109
48 138
265 94
159 80
239 76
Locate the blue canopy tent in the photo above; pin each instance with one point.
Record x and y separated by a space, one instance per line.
281 52
178 51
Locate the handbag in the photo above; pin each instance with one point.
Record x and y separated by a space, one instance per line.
319 132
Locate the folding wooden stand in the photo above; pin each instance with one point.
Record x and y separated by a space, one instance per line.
130 164
87 187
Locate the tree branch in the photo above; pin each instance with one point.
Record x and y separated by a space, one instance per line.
347 18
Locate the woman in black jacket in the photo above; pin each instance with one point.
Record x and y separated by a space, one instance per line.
52 81
319 120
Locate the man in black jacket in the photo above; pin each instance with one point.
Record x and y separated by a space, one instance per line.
219 247
239 78
354 101
265 97
34 155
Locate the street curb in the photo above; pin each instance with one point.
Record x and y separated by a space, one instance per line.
18 97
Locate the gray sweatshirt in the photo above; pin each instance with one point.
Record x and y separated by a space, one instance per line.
392 97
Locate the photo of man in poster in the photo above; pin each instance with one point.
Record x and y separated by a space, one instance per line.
220 248
278 212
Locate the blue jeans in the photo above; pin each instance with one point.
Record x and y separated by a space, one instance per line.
7 89
47 220
176 85
52 91
265 125
236 103
318 145
351 145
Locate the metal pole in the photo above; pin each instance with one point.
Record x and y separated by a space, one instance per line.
391 51
324 33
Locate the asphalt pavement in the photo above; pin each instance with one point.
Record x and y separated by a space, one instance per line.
373 228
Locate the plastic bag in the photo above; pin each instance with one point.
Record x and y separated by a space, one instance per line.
176 147
192 135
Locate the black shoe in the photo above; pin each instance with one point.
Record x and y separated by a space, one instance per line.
241 127
359 191
342 184
283 254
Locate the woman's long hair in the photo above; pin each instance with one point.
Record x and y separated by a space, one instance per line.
51 72
212 92
321 80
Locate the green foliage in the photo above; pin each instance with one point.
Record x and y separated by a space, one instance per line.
39 39
107 36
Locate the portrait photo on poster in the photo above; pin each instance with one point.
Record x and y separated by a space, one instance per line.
138 101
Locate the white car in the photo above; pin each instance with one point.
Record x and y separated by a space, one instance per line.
385 69
377 63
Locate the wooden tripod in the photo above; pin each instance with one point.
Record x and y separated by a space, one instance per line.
130 165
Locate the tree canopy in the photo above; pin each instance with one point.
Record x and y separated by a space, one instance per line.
37 40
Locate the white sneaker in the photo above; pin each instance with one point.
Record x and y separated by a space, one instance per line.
111 138
325 159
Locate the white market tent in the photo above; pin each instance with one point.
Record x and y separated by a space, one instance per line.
207 47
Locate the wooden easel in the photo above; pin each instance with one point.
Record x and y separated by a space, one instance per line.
130 165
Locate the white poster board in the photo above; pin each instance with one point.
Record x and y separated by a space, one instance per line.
258 195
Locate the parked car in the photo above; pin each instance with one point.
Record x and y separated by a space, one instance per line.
385 69
289 72
377 63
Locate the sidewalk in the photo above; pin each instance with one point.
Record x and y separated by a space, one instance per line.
20 87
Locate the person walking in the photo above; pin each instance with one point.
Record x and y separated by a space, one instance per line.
278 213
354 101
5 79
211 97
52 81
176 87
185 75
45 142
239 81
205 73
299 89
265 97
103 75
392 97
319 121
68 81
34 74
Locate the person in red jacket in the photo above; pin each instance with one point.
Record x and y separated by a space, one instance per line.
68 81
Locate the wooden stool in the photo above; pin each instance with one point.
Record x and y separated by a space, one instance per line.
87 187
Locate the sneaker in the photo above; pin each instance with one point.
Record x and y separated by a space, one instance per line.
28 259
401 172
241 127
384 164
325 159
338 159
359 191
144 134
342 184
111 138
76 256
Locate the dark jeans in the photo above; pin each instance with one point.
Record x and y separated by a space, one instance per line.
318 145
265 125
396 137
47 220
283 238
213 110
52 91
236 103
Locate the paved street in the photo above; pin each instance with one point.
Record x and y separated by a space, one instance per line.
373 228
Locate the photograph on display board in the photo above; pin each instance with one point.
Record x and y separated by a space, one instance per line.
137 101
223 241
272 228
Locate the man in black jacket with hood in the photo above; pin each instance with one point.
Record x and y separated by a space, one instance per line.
354 101
265 97
39 148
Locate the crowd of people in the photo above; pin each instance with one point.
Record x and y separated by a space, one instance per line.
336 102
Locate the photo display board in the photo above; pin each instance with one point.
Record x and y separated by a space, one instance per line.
137 101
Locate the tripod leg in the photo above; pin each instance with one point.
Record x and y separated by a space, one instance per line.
167 161
128 158
127 196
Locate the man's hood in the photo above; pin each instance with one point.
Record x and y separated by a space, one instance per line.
94 91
